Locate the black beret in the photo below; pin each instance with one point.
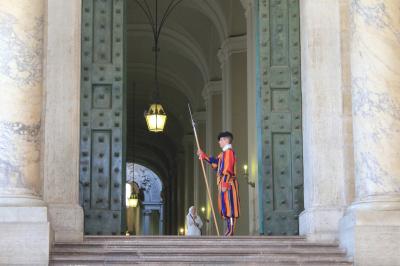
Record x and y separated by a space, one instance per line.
225 134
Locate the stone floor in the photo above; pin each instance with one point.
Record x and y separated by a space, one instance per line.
175 250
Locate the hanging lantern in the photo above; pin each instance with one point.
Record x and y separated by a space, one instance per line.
155 118
133 200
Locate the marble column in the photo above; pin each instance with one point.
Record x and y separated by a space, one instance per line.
212 95
323 120
23 214
370 230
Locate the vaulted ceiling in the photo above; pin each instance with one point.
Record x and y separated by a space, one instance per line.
189 44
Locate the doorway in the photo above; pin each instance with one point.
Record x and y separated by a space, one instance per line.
200 67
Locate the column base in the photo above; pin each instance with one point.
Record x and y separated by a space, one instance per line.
371 236
253 211
19 197
66 222
25 235
321 224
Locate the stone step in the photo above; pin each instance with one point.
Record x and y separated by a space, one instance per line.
200 241
211 260
208 253
198 259
118 237
205 238
207 257
197 249
248 263
178 250
197 244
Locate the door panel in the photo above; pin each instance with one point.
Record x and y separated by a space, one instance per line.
102 116
279 29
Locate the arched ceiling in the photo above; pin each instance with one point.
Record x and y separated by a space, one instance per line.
189 44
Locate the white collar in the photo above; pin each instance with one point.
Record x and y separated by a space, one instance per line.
227 147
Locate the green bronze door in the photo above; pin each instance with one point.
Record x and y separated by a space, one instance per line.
280 108
102 165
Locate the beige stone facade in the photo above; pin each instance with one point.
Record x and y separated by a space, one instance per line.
350 57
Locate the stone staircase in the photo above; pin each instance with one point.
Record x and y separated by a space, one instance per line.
206 250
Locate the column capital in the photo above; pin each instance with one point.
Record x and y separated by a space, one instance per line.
232 45
199 117
247 5
211 88
147 211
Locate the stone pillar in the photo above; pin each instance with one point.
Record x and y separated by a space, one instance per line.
61 119
213 101
230 47
234 113
251 14
323 118
24 227
347 105
180 190
187 143
135 214
370 230
146 214
210 92
161 221
200 191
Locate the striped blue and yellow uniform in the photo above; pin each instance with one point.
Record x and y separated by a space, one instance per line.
228 187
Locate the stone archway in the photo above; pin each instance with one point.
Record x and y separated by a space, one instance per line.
152 204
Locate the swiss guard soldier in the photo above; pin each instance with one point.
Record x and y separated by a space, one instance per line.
228 189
